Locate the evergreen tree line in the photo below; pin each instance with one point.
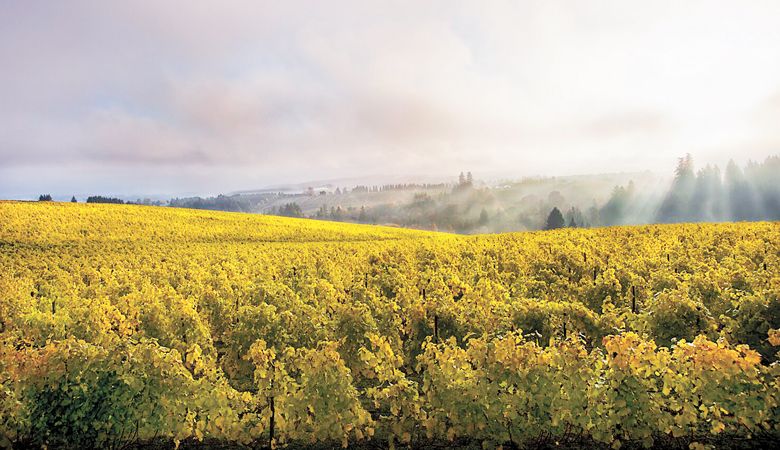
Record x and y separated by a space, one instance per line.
738 194
573 219
101 199
392 187
751 193
289 210
91 199
747 193
219 203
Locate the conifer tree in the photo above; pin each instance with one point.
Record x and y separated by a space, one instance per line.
555 220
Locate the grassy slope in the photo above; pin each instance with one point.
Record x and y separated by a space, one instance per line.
23 222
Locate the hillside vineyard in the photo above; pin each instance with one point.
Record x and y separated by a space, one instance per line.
120 324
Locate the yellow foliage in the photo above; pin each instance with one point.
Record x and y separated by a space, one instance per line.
338 333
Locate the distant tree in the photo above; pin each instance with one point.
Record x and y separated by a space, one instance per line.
615 210
707 202
555 220
101 199
322 212
483 217
421 200
766 183
448 217
148 202
73 199
44 198
336 213
676 207
465 182
741 199
363 217
574 218
218 203
291 210
593 215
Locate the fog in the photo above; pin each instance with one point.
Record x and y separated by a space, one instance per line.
466 204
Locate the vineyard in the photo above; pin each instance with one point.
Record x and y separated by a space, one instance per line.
128 324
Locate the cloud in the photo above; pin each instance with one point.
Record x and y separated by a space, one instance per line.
635 122
248 92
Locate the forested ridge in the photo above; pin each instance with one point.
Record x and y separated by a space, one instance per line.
704 194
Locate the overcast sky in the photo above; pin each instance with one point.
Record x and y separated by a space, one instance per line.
126 97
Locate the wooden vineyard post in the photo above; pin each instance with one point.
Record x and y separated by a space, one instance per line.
272 407
564 326
435 319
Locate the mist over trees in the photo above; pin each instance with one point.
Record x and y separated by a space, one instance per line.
468 205
616 210
706 194
748 194
290 210
676 207
218 203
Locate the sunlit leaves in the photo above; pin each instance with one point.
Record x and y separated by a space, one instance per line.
190 324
